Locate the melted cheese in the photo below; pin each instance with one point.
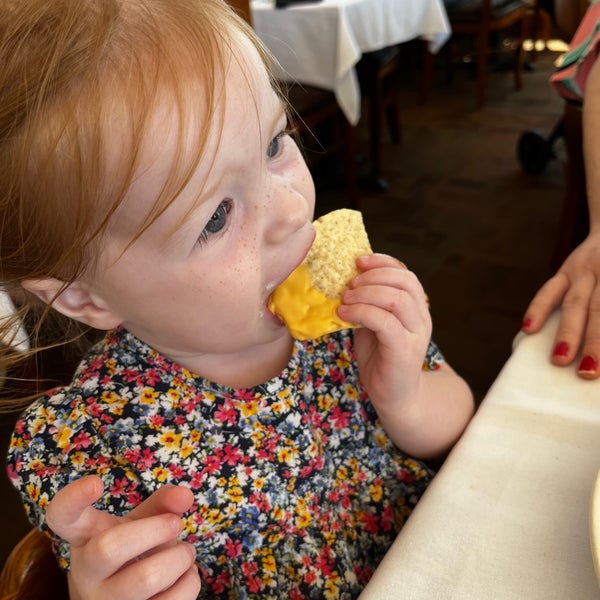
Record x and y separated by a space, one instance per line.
307 312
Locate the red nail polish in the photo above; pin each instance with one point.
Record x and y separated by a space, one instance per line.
588 364
526 324
561 349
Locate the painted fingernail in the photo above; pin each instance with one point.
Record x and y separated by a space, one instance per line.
588 364
561 349
526 324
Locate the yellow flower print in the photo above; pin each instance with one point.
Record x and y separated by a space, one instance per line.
148 396
268 561
249 408
64 437
235 494
37 425
332 590
259 483
376 492
170 440
174 395
342 362
342 473
186 448
303 518
77 459
33 491
110 365
109 397
351 392
160 474
287 456
324 401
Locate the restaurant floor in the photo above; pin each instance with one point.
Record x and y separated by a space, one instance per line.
459 212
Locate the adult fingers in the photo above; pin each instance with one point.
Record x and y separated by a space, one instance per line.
589 364
71 515
548 297
573 319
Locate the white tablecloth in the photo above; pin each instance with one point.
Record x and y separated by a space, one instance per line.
507 515
319 43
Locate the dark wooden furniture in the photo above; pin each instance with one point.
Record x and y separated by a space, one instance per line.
478 20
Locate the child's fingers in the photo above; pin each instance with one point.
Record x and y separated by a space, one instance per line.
373 261
379 306
127 542
167 575
167 499
71 516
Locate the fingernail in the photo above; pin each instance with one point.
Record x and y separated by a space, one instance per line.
526 324
561 349
588 364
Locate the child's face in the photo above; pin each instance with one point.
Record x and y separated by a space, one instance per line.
198 286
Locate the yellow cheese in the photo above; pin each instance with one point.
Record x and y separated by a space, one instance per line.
307 301
309 312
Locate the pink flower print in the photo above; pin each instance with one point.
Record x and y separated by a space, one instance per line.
340 418
226 415
82 440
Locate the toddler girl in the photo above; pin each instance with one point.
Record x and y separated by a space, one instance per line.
150 189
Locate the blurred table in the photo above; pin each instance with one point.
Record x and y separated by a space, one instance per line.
507 515
319 43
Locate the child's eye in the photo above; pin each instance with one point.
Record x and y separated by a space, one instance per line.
275 145
217 221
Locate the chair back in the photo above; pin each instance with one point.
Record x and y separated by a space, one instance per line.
31 571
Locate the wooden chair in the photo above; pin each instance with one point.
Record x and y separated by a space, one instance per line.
312 110
378 74
478 19
31 571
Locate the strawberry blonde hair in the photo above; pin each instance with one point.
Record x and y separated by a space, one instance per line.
79 83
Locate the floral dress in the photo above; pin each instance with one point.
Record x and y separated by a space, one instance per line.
298 490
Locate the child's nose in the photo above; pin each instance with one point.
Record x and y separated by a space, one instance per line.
289 212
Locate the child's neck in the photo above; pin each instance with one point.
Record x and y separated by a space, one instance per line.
244 370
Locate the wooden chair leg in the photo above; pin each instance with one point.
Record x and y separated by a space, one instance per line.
426 75
349 158
482 67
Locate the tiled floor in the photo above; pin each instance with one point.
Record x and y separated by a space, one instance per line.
476 230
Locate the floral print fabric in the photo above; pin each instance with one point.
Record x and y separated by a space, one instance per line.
298 490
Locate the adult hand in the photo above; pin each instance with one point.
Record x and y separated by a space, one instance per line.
576 289
131 558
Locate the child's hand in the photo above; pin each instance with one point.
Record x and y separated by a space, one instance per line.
390 304
133 557
423 412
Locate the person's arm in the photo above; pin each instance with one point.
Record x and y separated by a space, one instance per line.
576 285
423 412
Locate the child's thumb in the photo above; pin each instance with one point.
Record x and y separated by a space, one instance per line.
71 516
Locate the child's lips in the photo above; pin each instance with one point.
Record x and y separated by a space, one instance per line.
273 285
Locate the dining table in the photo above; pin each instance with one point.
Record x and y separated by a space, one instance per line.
319 43
507 516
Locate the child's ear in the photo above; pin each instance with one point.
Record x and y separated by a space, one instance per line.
74 301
